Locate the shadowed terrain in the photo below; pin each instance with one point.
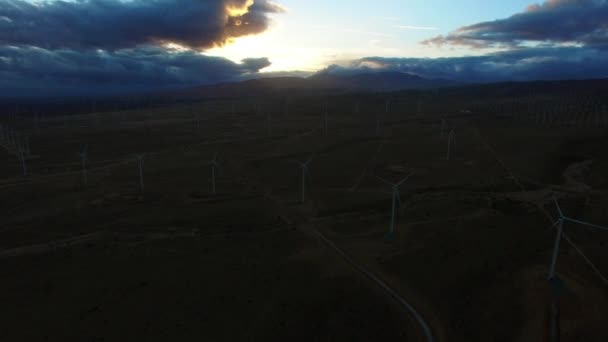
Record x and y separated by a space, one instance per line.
107 260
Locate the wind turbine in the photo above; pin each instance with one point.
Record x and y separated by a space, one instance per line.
84 157
396 199
552 278
26 145
305 172
560 227
214 166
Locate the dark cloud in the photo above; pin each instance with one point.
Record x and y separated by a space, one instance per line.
100 45
514 65
143 67
117 24
581 22
256 63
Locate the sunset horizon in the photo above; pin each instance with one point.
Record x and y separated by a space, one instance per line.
181 43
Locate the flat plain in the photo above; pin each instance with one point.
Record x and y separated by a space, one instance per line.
473 239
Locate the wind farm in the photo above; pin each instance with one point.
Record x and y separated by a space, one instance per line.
468 243
284 170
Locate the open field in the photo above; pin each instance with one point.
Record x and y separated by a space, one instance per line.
473 239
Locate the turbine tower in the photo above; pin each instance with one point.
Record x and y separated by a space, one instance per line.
396 200
305 172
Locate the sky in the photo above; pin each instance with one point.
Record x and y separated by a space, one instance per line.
120 45
313 34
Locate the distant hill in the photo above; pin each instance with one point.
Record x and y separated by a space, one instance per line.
377 81
320 83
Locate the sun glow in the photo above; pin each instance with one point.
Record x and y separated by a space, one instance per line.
283 56
174 47
237 11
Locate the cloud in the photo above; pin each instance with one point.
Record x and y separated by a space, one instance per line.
255 64
104 45
554 22
138 68
424 28
522 64
118 24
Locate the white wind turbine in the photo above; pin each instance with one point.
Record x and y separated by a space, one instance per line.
396 200
305 172
552 277
560 227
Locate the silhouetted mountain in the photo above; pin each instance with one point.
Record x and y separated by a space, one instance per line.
377 81
321 83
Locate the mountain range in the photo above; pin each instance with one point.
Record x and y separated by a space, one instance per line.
321 83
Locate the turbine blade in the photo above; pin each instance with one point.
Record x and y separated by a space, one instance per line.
405 179
585 223
556 223
385 181
559 209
